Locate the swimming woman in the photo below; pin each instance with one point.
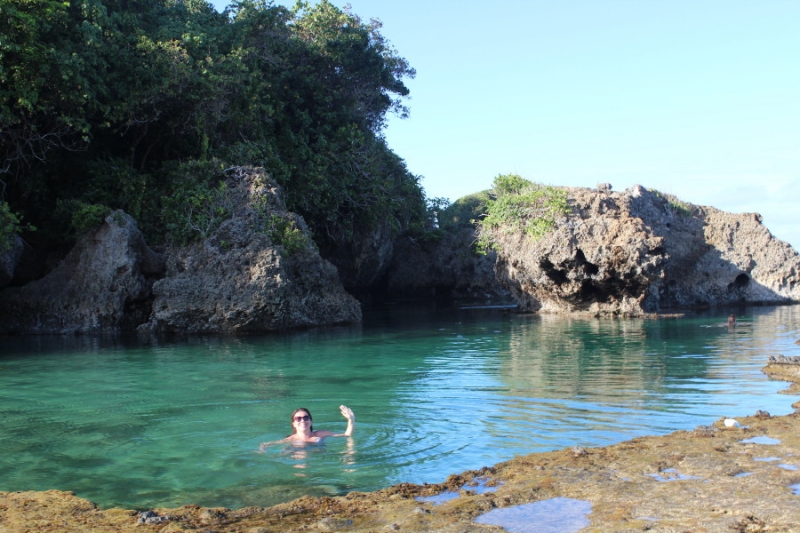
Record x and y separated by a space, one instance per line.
303 431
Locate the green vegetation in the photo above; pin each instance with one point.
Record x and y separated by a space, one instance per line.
140 106
673 205
464 211
284 232
516 204
82 216
10 225
199 202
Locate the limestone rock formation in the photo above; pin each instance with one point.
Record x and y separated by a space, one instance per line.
447 269
364 257
102 285
641 251
239 281
258 271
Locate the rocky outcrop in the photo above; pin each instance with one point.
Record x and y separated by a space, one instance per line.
240 281
447 269
363 257
640 251
102 285
258 271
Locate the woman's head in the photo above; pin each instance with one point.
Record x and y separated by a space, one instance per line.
299 417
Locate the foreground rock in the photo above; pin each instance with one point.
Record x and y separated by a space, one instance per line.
102 286
259 271
640 251
715 479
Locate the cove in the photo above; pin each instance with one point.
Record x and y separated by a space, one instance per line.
142 424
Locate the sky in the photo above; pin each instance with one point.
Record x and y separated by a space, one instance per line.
700 99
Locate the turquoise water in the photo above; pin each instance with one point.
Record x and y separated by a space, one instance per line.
141 425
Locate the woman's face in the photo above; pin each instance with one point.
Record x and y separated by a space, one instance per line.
301 420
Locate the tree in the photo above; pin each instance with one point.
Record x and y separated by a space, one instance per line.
108 104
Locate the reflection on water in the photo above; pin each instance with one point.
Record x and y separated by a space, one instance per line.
435 392
556 515
477 486
761 439
670 474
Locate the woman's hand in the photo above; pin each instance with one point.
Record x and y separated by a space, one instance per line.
351 419
347 413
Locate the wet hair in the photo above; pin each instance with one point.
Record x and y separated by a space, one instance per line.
311 418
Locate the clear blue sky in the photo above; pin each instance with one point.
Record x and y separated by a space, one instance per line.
700 99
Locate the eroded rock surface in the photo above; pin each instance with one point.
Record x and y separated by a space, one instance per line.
639 252
363 257
448 268
257 271
239 281
102 286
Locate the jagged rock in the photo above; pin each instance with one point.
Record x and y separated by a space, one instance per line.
448 268
639 252
579 451
236 281
102 285
150 517
705 431
716 257
9 260
239 281
784 360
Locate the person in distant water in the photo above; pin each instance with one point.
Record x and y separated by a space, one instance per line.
303 431
731 321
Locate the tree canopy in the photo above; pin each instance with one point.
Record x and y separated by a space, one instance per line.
142 105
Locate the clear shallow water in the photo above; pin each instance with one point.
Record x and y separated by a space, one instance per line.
556 515
147 425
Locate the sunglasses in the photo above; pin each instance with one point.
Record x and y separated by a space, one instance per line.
305 418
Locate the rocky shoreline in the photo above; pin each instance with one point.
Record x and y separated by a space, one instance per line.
635 253
741 477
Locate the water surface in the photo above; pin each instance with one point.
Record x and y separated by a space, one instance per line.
435 392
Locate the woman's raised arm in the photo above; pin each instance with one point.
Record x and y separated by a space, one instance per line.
351 419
